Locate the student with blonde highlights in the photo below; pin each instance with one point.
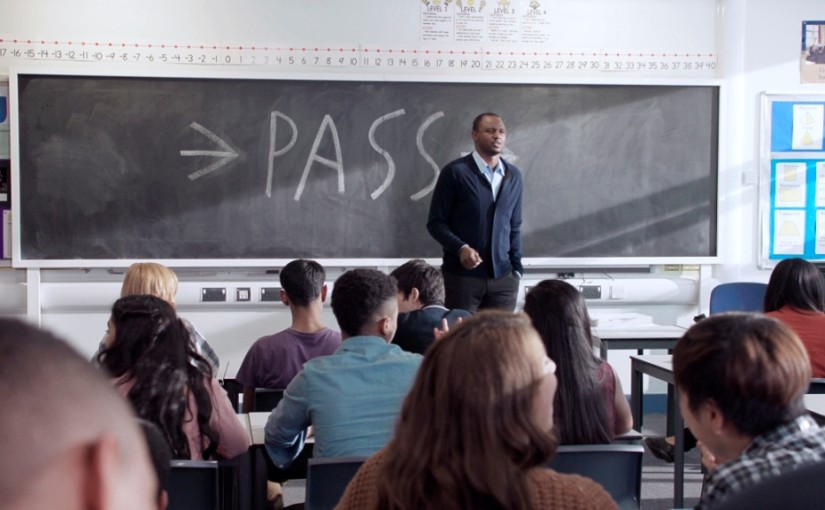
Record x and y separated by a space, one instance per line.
590 406
475 430
157 280
741 381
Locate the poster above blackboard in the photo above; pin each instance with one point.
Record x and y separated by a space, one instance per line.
242 171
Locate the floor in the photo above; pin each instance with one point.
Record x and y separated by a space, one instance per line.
657 476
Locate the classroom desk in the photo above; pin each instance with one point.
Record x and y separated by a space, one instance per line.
255 424
660 367
638 336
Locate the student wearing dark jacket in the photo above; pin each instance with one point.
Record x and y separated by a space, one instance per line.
421 306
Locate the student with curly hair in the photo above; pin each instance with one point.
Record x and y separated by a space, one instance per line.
154 364
590 406
476 430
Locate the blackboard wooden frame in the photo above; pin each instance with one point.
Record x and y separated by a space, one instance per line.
19 260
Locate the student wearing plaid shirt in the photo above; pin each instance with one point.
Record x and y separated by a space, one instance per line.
741 381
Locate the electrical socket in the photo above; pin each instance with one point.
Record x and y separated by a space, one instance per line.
591 291
270 294
243 294
213 294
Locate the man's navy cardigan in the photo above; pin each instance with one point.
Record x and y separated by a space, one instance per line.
463 212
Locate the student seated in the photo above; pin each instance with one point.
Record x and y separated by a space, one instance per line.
796 296
153 363
274 360
476 429
421 306
68 440
741 381
590 406
353 397
158 280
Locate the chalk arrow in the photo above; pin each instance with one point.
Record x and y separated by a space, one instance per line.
226 155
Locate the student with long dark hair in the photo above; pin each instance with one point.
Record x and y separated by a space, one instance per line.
796 296
590 406
476 429
154 363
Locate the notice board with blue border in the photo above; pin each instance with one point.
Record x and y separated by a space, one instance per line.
792 178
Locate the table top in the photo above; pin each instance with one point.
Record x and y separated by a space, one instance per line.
662 361
254 424
815 404
639 331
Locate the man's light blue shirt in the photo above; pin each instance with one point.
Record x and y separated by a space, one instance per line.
351 398
493 175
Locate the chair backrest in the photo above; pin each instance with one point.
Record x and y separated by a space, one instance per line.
816 386
738 297
193 485
233 390
800 488
327 478
617 467
266 400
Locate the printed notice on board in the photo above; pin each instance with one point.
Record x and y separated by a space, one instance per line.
789 232
807 127
790 185
514 22
819 246
812 61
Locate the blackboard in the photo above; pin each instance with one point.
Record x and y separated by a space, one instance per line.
115 168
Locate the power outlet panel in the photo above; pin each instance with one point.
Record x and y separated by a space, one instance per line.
243 294
270 294
591 291
213 294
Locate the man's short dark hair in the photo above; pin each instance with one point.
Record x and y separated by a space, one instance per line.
417 274
477 120
358 295
302 281
754 368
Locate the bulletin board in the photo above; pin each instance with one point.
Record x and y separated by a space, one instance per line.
792 183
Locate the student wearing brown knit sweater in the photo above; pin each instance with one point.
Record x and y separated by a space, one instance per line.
475 430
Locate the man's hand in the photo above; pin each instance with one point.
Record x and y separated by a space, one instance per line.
470 258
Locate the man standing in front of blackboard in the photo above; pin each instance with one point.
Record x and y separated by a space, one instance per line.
475 215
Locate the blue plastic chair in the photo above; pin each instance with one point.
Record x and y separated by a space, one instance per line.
617 467
327 478
193 485
738 297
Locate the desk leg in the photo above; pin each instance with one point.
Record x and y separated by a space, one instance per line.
670 409
257 484
636 395
678 455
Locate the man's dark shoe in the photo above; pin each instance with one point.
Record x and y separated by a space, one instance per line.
660 448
